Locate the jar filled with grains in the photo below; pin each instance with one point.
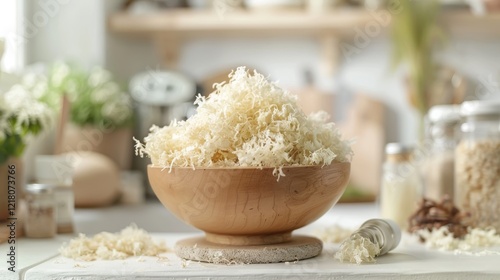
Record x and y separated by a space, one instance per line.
438 170
477 166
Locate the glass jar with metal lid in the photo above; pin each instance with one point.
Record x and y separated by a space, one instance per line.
477 166
58 171
438 170
385 233
41 217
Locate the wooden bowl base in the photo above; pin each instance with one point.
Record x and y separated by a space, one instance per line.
297 248
248 239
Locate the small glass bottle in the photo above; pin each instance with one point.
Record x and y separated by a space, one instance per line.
374 238
401 185
41 217
438 169
477 165
383 232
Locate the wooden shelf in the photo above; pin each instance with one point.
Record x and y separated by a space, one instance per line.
170 28
187 22
463 24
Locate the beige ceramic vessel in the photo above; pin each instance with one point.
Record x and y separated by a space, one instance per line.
248 206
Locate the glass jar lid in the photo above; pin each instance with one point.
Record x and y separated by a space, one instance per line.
39 188
444 113
480 108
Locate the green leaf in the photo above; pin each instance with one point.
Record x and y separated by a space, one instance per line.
12 146
414 36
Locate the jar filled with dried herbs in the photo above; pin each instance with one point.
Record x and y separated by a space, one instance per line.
438 170
477 166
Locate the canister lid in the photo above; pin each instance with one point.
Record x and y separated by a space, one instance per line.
39 188
397 148
444 113
480 108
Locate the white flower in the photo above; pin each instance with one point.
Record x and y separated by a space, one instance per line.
30 80
39 89
119 110
71 87
95 98
105 93
3 118
99 76
25 108
60 73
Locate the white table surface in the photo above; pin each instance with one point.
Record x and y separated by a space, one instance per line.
30 252
410 260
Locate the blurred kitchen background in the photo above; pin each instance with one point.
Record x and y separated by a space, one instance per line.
357 60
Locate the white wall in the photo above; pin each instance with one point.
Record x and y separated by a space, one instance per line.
78 32
11 50
73 30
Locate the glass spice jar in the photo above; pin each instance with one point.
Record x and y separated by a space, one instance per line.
401 185
58 171
477 166
385 233
374 238
41 217
439 167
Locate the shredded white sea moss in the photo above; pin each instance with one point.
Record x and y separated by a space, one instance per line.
475 239
246 122
333 234
357 249
131 241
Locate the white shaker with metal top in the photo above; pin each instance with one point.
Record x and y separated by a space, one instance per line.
401 185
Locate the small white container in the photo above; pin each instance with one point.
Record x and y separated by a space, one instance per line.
401 185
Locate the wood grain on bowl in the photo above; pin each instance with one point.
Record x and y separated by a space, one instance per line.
247 206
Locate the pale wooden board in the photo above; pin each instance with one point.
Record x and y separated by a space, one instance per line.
365 124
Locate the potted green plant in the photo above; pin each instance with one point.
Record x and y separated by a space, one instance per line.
101 114
21 116
415 34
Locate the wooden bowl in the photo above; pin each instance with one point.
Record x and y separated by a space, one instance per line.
248 206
